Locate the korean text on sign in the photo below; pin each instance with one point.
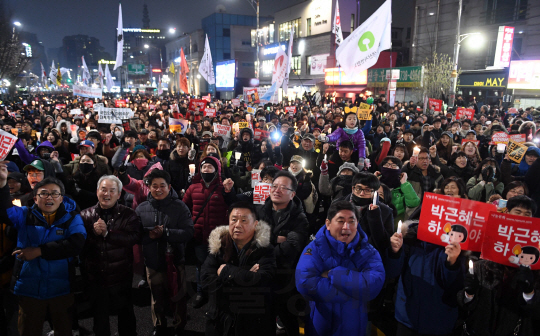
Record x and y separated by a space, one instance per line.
512 240
291 110
255 177
261 193
7 141
463 113
445 220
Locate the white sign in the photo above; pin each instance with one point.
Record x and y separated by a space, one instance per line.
7 141
318 64
255 176
113 115
392 74
261 192
76 112
260 91
222 130
88 92
321 16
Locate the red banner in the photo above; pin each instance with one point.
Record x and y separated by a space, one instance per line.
512 240
466 113
520 138
89 103
196 105
7 141
499 138
119 103
446 220
435 104
291 110
260 134
210 112
235 102
60 106
207 98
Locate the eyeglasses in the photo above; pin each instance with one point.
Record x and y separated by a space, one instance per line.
360 190
35 174
280 188
45 194
390 165
423 158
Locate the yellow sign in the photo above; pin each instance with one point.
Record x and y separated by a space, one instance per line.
364 106
496 82
243 125
364 114
516 151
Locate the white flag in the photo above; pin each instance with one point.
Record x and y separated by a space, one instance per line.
361 49
53 73
108 78
280 68
289 59
336 28
119 40
206 68
86 73
100 75
43 74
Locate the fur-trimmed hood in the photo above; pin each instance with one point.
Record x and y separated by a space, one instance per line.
528 128
262 236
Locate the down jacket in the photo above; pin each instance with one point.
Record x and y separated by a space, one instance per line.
249 317
108 261
215 212
338 303
47 276
357 139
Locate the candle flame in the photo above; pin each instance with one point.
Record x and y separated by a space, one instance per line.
470 264
16 202
447 227
517 249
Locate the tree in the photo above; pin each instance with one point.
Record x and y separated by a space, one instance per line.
438 76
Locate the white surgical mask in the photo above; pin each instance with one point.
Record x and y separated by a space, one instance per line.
118 134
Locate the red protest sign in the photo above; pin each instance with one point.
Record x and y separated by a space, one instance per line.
513 110
446 220
476 142
210 112
512 240
89 103
291 110
520 138
255 176
261 193
464 113
196 105
119 103
235 102
207 98
499 138
7 141
435 104
260 134
60 106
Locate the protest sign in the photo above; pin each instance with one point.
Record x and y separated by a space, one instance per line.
445 220
260 134
243 124
516 151
196 105
363 114
60 106
109 115
291 110
120 103
76 112
436 105
88 92
7 141
260 193
235 102
151 107
73 128
207 98
512 240
251 109
178 125
255 176
364 106
89 103
210 112
521 138
251 95
463 113
499 138
476 142
512 110
222 130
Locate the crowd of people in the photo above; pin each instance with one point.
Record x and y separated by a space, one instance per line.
83 198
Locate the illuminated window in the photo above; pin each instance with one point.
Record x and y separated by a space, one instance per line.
308 27
296 65
267 67
285 30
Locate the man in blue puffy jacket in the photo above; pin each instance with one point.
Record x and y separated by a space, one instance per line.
50 235
339 273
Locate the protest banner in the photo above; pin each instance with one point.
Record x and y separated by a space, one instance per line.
260 193
196 105
291 110
463 113
521 138
255 176
436 105
88 92
499 138
235 102
7 141
76 112
513 110
516 151
210 112
512 240
251 95
151 107
251 109
476 142
364 106
207 98
222 130
89 103
445 220
363 114
178 125
243 124
110 115
260 134
120 103
60 106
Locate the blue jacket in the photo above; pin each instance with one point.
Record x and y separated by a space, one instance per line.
426 298
523 167
47 276
338 304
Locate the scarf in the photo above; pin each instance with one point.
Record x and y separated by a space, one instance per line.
350 130
295 174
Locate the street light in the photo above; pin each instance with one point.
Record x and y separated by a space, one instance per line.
476 41
146 46
172 30
17 23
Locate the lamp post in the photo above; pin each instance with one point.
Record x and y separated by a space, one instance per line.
255 5
457 47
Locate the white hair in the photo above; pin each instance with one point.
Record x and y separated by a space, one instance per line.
111 178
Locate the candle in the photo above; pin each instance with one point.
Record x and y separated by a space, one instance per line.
416 151
501 147
87 128
16 202
295 126
330 130
471 267
325 158
192 169
192 146
407 117
237 155
38 135
375 196
399 227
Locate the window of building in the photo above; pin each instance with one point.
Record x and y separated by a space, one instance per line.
308 65
501 11
271 31
226 32
308 27
516 48
352 22
267 67
285 30
296 65
248 43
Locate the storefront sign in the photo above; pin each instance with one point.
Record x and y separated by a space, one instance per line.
336 76
409 77
503 51
490 79
318 64
524 75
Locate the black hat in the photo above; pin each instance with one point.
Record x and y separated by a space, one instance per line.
19 177
408 131
211 161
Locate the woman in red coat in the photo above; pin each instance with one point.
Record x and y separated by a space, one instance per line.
208 209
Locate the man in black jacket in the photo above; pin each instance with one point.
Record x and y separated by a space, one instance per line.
241 264
289 225
167 227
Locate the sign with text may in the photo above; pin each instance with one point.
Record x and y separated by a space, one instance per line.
464 113
7 141
261 193
260 134
516 151
512 240
445 220
291 110
255 177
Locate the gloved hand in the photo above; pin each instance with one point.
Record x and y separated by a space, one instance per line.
126 145
471 284
191 154
525 279
122 169
324 168
360 164
487 174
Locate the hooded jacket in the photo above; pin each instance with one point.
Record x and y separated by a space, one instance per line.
357 139
338 303
223 312
47 276
178 168
25 156
138 188
66 136
521 168
215 211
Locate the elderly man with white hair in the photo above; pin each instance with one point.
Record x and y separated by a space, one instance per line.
112 229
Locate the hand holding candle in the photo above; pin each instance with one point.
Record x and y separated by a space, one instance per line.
192 169
416 151
471 269
399 227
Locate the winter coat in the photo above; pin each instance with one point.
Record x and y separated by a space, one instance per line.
521 168
175 217
415 177
478 192
533 182
339 187
224 309
138 188
73 166
498 305
404 197
8 238
108 261
427 286
47 276
214 213
357 139
25 156
178 168
306 190
338 303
